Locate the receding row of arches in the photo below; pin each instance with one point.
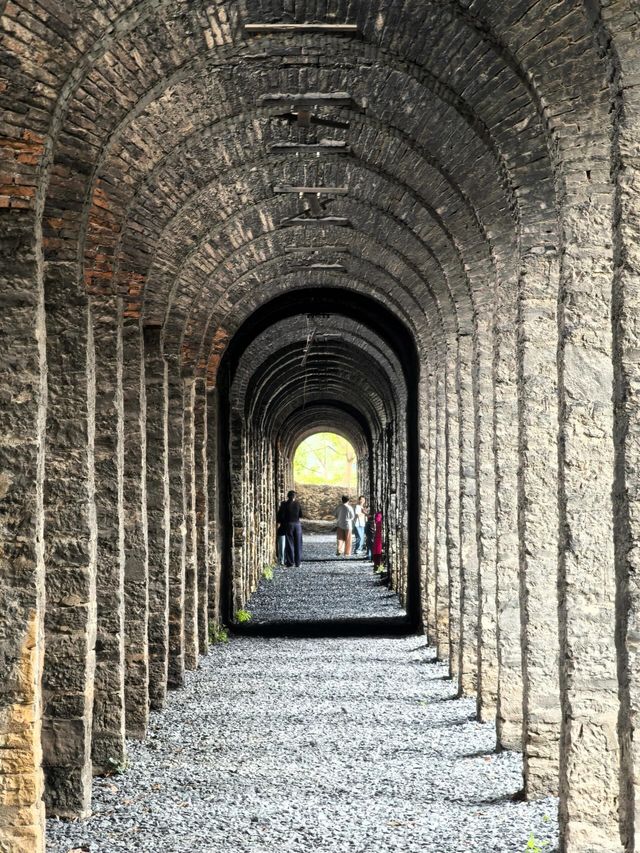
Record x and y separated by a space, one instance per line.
223 225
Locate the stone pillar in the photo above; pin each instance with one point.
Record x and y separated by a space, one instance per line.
626 341
158 514
237 532
440 553
108 748
468 675
538 519
430 616
136 565
213 487
70 547
485 518
509 702
589 753
453 513
426 566
177 541
22 441
202 513
191 548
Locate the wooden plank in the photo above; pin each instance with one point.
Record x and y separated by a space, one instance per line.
287 188
334 29
307 100
308 220
324 267
300 118
312 250
310 148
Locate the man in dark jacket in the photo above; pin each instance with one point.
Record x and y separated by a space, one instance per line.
289 516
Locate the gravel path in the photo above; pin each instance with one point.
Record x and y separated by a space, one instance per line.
306 745
324 588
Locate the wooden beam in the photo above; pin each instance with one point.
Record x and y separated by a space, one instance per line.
335 29
307 100
315 267
287 188
305 119
312 250
328 147
309 220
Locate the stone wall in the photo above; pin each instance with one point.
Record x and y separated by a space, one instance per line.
320 502
489 212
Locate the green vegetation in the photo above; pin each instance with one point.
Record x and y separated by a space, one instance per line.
535 846
117 767
326 459
267 573
242 616
218 634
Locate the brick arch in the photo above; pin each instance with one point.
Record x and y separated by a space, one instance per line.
528 415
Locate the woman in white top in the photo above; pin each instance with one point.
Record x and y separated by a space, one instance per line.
359 525
344 519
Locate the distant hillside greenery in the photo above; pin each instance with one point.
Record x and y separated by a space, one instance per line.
326 459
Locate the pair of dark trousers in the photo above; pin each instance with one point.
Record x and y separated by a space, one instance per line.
293 550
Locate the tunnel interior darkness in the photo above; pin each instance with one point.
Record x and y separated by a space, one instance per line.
315 358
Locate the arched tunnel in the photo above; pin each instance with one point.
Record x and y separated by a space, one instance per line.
226 225
319 356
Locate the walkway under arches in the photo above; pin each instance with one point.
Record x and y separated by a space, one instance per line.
224 224
308 742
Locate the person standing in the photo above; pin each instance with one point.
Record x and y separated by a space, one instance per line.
344 520
359 525
289 516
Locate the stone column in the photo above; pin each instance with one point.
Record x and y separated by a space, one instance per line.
236 449
485 518
430 616
108 749
213 487
509 702
158 514
538 519
191 548
453 513
426 568
177 541
70 547
440 553
626 343
22 442
136 565
202 513
589 754
468 675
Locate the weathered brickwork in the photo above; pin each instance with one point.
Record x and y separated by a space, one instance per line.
136 564
158 514
108 735
70 536
464 312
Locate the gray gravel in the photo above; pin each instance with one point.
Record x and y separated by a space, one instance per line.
314 745
328 589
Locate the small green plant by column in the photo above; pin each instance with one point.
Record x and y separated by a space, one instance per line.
535 846
267 573
217 634
242 616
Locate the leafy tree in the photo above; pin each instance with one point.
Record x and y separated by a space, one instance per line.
326 459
